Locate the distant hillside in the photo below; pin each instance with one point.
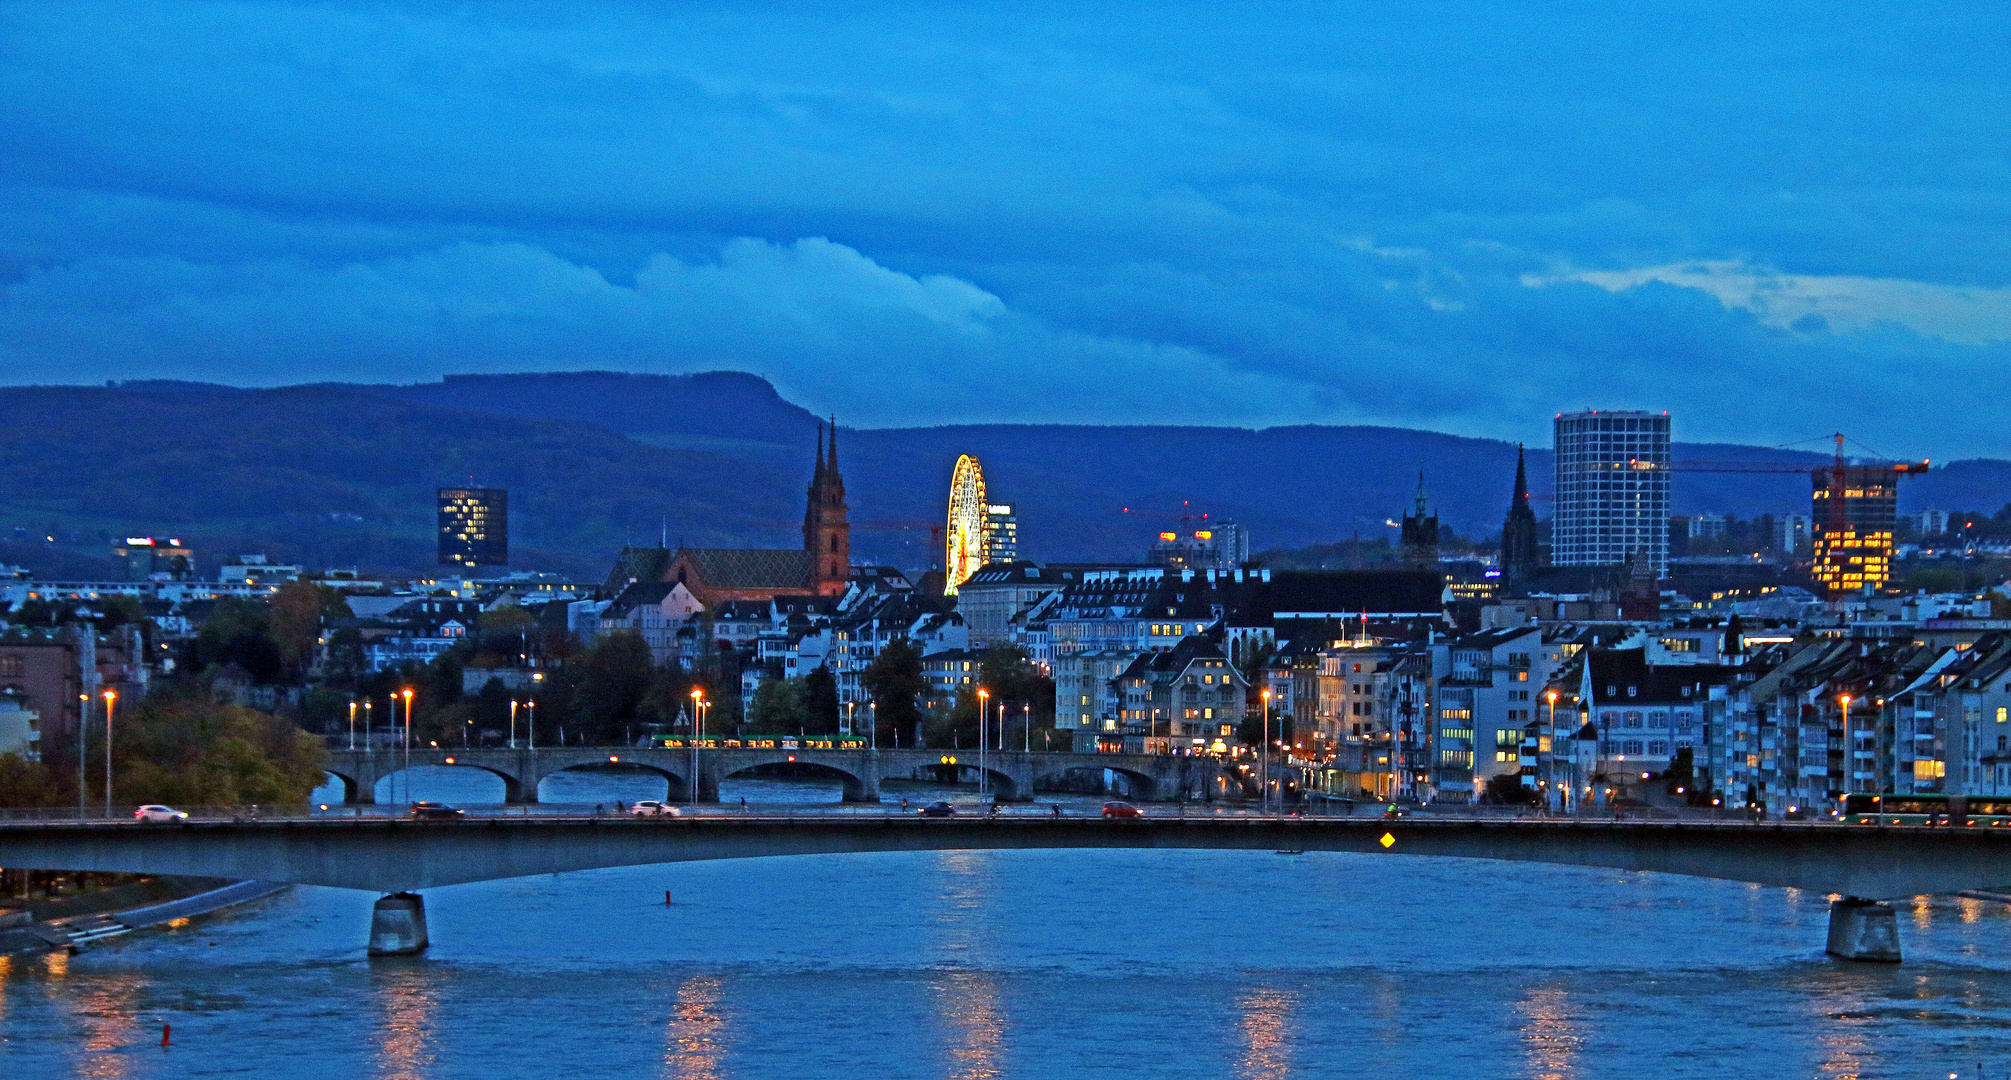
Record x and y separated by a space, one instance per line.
343 475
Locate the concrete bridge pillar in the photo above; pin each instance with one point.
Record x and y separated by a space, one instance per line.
398 926
1863 930
710 771
867 790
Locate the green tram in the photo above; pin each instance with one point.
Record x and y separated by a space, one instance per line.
1966 810
767 742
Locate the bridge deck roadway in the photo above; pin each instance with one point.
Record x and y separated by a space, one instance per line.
400 855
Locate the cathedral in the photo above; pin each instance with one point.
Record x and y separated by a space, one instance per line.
821 567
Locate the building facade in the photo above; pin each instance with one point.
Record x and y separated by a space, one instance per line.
474 528
1611 497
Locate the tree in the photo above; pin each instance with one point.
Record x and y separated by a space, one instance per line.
613 680
25 783
896 682
956 727
179 747
295 623
778 708
820 702
237 632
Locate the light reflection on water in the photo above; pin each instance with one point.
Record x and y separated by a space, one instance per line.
1175 965
405 1002
697 1031
1551 1035
1266 1019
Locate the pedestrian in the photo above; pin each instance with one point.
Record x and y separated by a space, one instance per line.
600 809
904 804
743 804
1054 810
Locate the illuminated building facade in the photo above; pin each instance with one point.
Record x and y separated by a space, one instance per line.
1001 533
474 527
1855 510
1612 490
148 558
1221 545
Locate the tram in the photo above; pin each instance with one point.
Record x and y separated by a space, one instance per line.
779 742
1965 810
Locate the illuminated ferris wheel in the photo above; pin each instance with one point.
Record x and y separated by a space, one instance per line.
965 549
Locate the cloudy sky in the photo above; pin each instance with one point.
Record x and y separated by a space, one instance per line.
1773 220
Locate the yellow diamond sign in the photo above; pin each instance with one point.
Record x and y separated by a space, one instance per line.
1388 840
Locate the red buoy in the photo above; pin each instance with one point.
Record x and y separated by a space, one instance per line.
164 1034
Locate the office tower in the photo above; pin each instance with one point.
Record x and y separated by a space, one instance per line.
474 527
1001 533
1611 500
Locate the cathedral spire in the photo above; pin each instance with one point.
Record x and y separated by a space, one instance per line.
817 478
834 444
1521 546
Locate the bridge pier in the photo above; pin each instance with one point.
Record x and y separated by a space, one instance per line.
398 925
1863 930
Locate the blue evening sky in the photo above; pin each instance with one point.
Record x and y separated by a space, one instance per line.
1773 220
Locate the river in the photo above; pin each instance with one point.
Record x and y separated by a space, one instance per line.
1159 964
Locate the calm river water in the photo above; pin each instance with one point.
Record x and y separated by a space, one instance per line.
1160 964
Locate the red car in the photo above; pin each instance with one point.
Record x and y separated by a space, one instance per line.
1121 809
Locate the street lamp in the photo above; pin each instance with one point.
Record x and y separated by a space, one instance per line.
984 708
367 703
1026 727
111 699
83 745
352 725
697 732
407 770
1264 757
513 723
1550 759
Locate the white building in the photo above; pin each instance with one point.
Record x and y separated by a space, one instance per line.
1611 497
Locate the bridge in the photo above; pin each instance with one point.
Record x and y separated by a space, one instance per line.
1012 774
1864 865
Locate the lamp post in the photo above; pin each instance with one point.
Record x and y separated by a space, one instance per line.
691 789
111 700
352 725
1026 727
83 749
1581 785
513 723
1550 759
1844 699
984 709
1264 759
531 723
407 770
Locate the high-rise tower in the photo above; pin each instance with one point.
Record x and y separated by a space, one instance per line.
1855 509
827 536
1521 551
1612 491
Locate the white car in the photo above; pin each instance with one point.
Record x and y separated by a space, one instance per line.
652 808
157 812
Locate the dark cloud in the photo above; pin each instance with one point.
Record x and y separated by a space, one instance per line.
1287 213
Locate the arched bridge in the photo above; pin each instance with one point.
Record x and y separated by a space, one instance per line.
1864 864
1012 774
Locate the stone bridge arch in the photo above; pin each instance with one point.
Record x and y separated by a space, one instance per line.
861 783
677 785
512 785
1144 786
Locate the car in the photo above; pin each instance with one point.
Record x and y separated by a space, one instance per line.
652 808
1121 809
939 809
157 812
433 811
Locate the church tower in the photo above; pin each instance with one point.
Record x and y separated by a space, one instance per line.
1521 555
1420 533
827 536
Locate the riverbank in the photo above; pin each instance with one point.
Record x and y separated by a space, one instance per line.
70 922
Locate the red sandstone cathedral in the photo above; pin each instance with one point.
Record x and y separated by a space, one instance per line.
822 567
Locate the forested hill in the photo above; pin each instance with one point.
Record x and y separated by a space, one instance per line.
343 475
